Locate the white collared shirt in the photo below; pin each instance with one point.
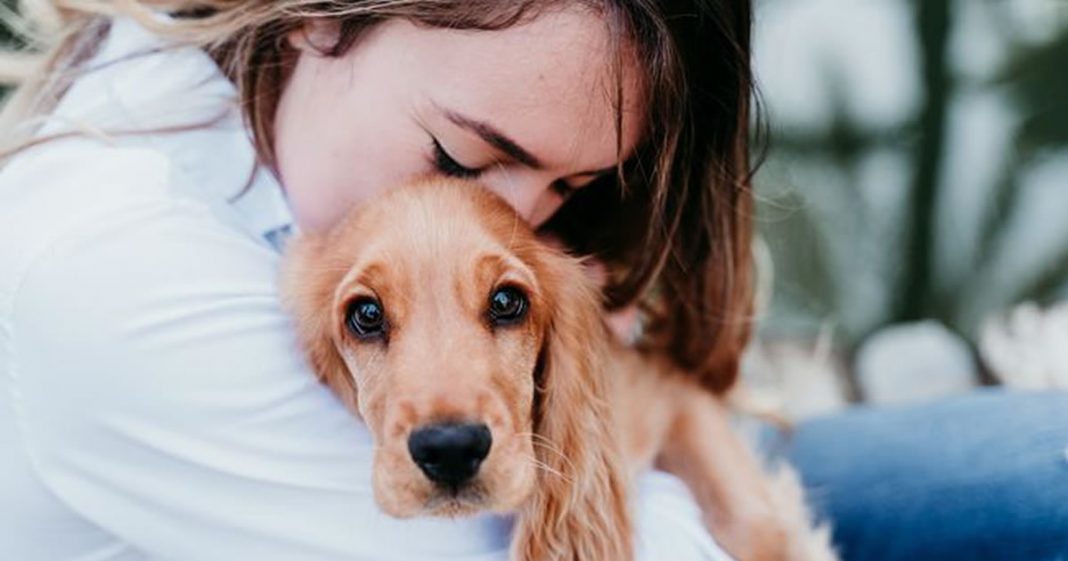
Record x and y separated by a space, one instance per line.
153 403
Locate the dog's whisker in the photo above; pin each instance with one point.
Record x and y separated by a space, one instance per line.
565 460
541 440
542 466
538 439
543 443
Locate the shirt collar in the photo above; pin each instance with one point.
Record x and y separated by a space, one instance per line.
139 81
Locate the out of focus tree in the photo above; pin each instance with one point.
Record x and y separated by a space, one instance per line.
8 38
868 219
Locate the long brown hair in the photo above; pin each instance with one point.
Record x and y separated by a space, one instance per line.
674 223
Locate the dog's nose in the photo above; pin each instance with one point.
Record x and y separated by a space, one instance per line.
450 453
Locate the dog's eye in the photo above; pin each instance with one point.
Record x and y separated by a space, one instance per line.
366 318
507 305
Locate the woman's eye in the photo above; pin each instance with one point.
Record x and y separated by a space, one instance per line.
447 165
507 305
366 319
563 188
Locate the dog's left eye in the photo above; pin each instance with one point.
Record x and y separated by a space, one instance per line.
366 318
507 305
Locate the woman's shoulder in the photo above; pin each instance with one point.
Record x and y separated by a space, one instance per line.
106 246
78 199
82 172
70 186
126 273
149 128
120 297
66 184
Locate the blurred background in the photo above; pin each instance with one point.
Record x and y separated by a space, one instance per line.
913 199
913 202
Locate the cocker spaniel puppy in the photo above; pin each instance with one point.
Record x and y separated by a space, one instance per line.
478 357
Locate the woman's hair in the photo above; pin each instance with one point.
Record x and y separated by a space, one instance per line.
674 223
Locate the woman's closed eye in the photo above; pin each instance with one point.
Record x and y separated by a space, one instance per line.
563 188
447 165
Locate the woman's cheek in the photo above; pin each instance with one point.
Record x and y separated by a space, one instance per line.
326 176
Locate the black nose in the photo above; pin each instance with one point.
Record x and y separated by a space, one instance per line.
450 453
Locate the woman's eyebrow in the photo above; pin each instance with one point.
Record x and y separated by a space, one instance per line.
494 137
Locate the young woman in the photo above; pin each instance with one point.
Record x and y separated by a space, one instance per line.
153 405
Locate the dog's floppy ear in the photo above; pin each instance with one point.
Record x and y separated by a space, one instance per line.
578 510
308 282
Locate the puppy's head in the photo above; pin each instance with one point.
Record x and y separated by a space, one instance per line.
468 347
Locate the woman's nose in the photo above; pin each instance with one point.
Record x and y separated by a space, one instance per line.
531 195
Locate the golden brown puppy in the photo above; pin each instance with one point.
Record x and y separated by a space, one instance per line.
478 358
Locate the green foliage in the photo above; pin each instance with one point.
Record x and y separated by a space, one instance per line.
7 37
1037 78
893 250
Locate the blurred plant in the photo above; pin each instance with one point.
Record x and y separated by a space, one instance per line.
862 265
8 38
1037 80
6 6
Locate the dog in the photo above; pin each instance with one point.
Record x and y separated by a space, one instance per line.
479 359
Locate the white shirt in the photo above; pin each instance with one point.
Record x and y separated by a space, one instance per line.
153 403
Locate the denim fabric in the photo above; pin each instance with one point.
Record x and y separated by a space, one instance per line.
978 477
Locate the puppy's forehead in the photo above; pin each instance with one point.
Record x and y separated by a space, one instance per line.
438 227
442 214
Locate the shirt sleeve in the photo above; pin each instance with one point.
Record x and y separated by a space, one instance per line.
163 398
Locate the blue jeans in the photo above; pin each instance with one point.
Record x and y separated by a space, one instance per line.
978 477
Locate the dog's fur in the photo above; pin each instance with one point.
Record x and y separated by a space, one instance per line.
573 414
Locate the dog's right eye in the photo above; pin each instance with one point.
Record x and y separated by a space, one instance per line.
366 319
508 305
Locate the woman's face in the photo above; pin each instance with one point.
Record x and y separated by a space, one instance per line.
527 110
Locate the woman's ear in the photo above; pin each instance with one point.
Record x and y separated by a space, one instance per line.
579 509
316 36
308 282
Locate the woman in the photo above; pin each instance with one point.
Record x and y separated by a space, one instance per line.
153 398
171 415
